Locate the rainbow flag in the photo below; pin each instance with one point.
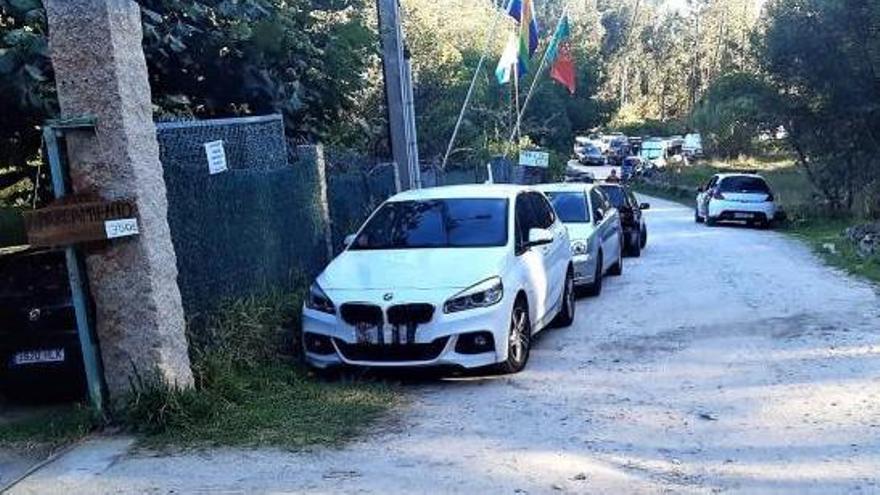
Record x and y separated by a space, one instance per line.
523 12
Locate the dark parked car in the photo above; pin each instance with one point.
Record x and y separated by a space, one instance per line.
588 154
635 229
39 346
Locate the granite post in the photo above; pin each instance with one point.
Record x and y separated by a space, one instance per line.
313 155
100 71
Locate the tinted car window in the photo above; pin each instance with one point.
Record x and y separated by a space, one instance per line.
743 185
544 215
436 224
525 218
597 203
616 196
570 206
40 274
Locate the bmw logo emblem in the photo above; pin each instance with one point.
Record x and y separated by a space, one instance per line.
388 296
34 314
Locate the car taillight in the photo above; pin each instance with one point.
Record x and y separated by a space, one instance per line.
717 195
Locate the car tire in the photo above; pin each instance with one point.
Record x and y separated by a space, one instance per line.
697 217
635 249
711 222
566 313
594 288
616 269
643 239
519 339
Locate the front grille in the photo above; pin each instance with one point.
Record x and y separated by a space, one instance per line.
410 314
361 314
393 352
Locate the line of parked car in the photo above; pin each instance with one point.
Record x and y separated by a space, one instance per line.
466 276
614 148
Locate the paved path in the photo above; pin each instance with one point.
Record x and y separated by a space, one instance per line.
724 360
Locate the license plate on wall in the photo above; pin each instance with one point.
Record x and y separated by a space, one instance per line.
39 356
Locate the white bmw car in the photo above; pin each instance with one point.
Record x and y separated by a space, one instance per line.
459 276
735 197
594 229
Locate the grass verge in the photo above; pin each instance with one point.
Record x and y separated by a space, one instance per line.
46 426
821 233
251 390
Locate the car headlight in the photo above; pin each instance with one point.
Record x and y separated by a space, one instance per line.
578 247
481 295
319 301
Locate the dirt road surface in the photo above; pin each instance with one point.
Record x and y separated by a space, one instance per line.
724 360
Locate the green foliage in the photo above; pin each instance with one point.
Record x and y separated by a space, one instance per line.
51 426
821 58
249 388
735 109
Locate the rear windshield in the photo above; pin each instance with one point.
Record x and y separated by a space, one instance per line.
743 185
616 195
436 223
33 275
571 207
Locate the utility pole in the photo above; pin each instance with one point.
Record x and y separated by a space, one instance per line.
398 95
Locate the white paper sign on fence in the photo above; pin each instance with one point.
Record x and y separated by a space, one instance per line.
216 157
534 159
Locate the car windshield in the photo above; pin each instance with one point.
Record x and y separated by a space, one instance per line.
436 223
615 195
570 206
744 185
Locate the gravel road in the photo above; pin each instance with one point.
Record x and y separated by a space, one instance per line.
723 360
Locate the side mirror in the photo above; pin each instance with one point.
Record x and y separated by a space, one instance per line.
349 240
645 206
538 237
700 189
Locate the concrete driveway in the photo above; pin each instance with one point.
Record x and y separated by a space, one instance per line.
723 360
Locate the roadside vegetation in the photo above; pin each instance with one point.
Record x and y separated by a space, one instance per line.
251 390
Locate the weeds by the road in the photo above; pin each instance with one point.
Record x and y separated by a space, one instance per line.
251 389
47 426
822 234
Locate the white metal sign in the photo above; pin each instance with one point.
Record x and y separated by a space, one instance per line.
216 157
534 159
121 228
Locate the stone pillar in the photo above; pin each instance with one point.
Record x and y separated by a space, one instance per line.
313 155
100 71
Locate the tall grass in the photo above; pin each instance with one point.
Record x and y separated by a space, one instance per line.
251 388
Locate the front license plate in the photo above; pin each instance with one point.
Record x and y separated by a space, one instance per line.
742 215
39 356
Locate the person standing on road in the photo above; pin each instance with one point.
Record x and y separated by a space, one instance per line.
613 178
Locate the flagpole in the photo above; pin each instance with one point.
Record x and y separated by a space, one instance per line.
516 94
490 36
519 113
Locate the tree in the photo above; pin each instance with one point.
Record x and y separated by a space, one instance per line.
821 57
208 58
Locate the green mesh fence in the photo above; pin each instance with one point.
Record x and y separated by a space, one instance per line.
242 231
353 195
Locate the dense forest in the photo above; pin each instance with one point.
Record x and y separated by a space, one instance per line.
729 68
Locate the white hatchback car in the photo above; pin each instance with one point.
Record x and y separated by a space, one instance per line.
594 229
735 197
462 276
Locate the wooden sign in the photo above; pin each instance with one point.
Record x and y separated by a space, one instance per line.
77 222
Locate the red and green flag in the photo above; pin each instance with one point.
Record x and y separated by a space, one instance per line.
560 58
